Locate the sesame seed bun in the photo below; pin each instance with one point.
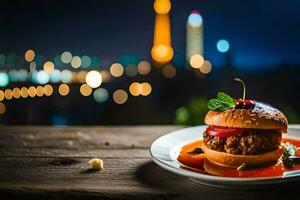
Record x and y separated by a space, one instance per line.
262 116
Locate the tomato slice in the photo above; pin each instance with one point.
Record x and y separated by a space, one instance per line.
223 131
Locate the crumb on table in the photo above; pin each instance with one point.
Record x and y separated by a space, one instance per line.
96 163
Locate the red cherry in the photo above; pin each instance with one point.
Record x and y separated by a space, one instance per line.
244 104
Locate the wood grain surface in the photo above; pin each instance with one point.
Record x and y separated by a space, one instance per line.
52 163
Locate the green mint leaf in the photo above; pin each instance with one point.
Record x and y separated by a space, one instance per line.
223 102
288 151
226 98
197 150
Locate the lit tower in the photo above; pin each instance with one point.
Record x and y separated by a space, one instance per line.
162 51
194 35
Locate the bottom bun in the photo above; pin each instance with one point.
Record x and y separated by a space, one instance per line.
231 160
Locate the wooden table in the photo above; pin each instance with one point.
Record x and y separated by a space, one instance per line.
52 163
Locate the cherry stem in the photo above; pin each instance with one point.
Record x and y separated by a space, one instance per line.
244 87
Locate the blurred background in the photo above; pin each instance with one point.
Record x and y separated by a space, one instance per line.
134 62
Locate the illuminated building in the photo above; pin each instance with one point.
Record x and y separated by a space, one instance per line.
194 35
162 51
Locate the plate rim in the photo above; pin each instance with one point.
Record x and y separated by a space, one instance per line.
207 177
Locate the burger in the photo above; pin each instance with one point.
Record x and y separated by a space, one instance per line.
242 132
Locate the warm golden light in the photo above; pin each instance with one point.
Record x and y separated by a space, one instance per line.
85 90
93 79
31 91
116 70
144 67
48 90
63 89
16 93
48 67
162 6
162 51
146 89
105 76
206 67
39 91
29 55
120 96
135 89
81 76
2 108
1 95
8 94
196 61
24 92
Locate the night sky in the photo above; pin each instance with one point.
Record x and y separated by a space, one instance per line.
262 33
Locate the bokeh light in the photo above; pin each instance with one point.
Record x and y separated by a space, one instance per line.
29 55
76 62
31 91
4 79
2 108
206 67
74 77
195 20
66 57
66 76
81 76
105 76
131 70
33 76
162 6
48 90
48 67
120 96
42 77
135 89
24 92
169 71
1 95
145 89
86 61
196 61
223 46
100 95
144 67
13 75
63 89
39 91
16 93
85 90
162 53
32 66
93 79
55 76
8 94
116 70
22 75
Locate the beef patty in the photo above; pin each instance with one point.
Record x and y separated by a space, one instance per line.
250 142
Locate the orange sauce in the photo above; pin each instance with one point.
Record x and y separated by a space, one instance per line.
196 162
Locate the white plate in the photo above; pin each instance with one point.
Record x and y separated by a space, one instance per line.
165 150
